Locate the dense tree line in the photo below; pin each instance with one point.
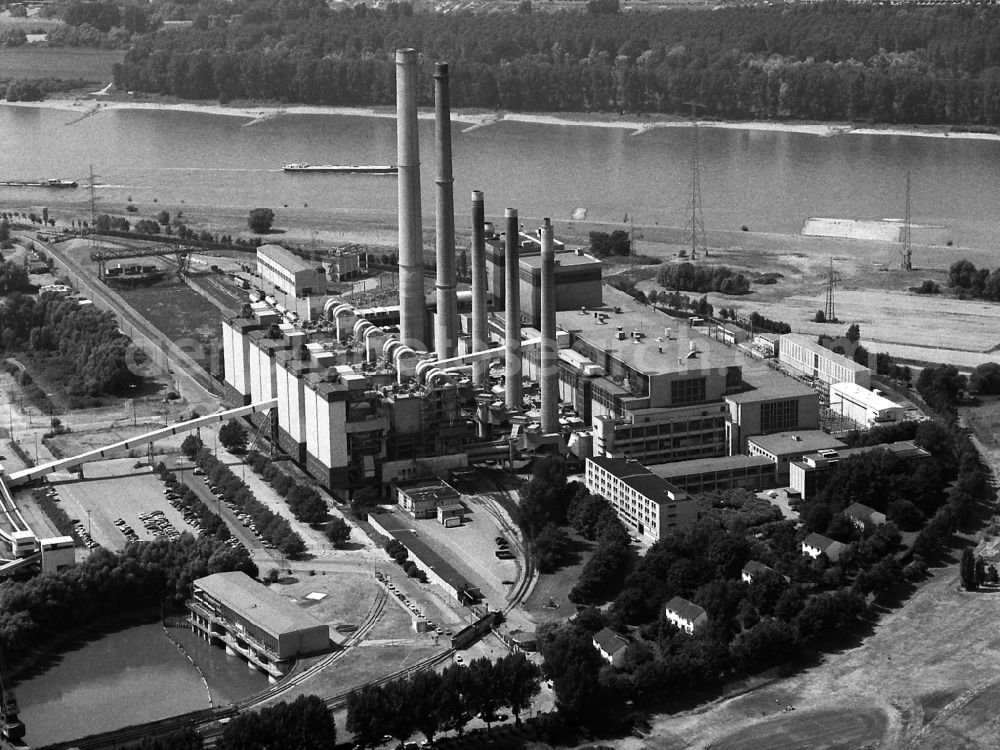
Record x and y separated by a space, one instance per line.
942 387
302 498
680 304
430 702
304 724
758 323
542 510
687 277
109 584
603 244
272 528
401 556
13 278
985 378
831 60
87 338
594 519
969 281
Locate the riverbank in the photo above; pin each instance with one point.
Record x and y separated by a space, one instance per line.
636 122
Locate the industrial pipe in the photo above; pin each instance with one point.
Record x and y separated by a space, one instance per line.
446 323
513 392
479 372
411 261
548 361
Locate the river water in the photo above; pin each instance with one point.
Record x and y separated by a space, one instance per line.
769 180
131 676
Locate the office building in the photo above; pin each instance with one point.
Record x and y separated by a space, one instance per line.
649 506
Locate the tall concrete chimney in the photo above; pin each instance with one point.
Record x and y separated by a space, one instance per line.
411 258
479 334
549 376
446 323
512 314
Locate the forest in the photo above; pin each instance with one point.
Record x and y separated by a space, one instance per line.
826 61
84 341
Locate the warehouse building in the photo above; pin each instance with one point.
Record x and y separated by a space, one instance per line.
285 272
864 407
823 366
249 619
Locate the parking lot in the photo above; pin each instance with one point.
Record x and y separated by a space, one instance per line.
120 502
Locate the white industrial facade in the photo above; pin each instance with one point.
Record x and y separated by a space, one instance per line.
288 273
808 358
867 408
645 503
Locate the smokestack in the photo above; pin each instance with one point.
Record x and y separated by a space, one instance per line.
550 351
446 324
479 369
512 314
411 259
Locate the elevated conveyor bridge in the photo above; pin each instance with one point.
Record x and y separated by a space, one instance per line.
36 472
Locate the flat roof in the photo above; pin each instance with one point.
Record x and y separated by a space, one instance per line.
437 490
568 258
707 465
864 396
257 603
641 479
771 387
644 354
798 441
901 448
287 259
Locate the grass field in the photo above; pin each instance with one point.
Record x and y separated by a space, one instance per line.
92 65
178 312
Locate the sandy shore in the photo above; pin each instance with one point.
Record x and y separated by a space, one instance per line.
473 120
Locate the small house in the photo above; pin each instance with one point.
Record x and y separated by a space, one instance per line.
611 646
685 615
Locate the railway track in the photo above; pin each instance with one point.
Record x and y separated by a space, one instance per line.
493 504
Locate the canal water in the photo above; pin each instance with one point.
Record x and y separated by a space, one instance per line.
127 677
771 181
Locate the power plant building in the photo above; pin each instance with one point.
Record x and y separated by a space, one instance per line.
255 622
778 403
578 276
363 399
